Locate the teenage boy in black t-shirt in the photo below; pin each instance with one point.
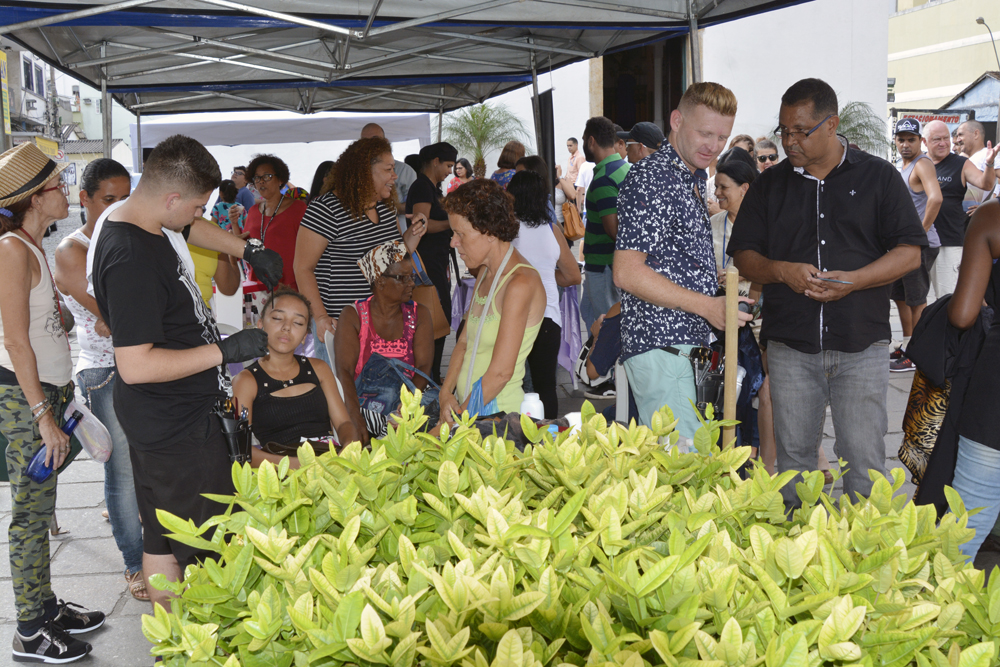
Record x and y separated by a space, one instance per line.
424 196
168 352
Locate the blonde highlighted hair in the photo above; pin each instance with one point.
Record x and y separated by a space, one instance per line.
715 96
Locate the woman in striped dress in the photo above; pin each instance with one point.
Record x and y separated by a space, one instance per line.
354 213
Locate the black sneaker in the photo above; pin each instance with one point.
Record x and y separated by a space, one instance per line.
77 622
902 365
896 354
602 391
51 645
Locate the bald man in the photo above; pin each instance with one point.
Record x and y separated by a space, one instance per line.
973 137
954 173
405 176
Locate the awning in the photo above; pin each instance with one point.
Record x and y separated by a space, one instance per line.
179 56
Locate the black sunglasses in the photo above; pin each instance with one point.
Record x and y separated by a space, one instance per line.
764 158
402 278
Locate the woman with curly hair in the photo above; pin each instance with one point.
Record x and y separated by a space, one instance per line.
507 308
355 213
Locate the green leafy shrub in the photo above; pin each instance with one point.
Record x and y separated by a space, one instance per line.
602 548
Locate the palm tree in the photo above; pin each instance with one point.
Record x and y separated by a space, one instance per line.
862 126
482 128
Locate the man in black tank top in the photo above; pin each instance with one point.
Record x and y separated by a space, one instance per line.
955 173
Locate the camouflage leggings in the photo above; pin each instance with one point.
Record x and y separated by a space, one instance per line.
31 504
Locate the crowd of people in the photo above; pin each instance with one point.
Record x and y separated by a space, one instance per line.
356 278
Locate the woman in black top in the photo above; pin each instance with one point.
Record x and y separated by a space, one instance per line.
291 397
977 469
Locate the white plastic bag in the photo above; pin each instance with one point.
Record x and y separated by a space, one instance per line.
91 433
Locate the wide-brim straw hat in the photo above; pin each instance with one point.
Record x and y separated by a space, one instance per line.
24 170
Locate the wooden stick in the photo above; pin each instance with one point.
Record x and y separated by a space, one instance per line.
732 352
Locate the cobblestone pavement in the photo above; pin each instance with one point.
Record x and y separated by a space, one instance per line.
87 567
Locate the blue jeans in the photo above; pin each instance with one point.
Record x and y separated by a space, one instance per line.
977 477
854 385
97 385
599 294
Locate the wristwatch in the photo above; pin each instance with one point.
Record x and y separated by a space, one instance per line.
252 246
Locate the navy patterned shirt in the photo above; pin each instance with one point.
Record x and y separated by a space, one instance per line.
660 214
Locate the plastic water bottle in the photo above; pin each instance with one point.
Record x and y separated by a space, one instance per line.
532 406
37 470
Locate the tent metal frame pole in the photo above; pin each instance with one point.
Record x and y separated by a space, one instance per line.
371 18
534 106
695 44
138 134
105 108
468 9
280 16
72 16
441 113
514 44
139 52
213 59
160 103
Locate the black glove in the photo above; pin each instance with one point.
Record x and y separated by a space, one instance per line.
266 263
243 346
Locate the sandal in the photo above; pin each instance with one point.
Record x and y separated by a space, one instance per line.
136 585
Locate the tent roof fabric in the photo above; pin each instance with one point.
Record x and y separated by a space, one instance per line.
177 56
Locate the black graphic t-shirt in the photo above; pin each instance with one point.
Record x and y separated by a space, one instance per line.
146 295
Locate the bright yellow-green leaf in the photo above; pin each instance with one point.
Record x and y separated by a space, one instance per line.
448 479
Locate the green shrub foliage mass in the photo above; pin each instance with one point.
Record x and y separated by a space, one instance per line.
601 548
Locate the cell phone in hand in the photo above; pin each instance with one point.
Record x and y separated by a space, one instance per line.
833 280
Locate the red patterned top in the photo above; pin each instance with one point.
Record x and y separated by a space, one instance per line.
400 348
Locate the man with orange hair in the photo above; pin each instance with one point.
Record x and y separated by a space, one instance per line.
826 232
664 258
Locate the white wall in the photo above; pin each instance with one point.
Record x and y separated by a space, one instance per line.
843 42
570 109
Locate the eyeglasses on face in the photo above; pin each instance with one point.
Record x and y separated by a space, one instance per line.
402 277
784 132
765 158
62 187
263 178
238 172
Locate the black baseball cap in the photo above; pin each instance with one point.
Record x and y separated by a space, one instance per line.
911 125
646 133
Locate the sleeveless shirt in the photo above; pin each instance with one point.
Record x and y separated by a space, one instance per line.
538 245
45 332
950 222
287 419
95 351
920 199
401 348
510 397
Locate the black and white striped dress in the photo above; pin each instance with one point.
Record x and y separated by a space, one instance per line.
339 279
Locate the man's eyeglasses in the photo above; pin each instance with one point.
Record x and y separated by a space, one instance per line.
62 187
402 277
263 178
239 172
764 158
784 132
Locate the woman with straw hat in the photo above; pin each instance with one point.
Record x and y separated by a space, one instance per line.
35 386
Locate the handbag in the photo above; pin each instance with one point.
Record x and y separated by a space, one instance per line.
381 380
573 227
925 411
425 293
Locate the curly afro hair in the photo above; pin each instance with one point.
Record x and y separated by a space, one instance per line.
351 178
487 206
273 161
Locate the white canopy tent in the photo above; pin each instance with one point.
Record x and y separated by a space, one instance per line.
278 127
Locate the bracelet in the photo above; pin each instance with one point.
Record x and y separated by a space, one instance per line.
38 405
38 417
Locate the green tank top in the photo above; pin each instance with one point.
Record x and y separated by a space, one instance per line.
510 397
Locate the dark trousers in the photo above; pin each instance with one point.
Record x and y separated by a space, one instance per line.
542 363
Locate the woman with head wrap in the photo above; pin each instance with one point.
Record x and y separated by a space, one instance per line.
388 323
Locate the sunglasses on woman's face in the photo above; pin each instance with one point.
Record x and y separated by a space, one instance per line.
402 278
764 158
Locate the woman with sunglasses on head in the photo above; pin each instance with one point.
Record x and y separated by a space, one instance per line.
389 323
104 182
35 387
275 220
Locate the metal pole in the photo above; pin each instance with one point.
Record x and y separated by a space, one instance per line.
732 352
70 16
138 135
981 22
440 114
695 45
534 104
105 107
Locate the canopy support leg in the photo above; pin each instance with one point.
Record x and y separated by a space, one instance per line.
694 41
138 138
105 107
534 103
